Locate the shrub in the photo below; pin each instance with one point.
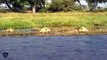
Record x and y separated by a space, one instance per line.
61 5
3 10
43 10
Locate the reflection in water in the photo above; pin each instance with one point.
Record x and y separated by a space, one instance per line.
54 48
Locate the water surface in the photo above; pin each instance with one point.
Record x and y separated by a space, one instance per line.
54 48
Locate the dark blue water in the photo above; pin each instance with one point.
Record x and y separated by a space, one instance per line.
54 48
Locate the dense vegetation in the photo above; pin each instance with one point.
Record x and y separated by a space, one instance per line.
56 5
70 19
20 21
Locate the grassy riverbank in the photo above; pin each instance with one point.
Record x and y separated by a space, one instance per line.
23 21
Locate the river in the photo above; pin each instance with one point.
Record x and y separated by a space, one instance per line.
54 48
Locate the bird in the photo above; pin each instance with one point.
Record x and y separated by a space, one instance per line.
45 30
5 54
9 30
83 29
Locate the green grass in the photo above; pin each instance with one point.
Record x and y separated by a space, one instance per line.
22 21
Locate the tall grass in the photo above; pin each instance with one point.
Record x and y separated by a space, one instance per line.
22 21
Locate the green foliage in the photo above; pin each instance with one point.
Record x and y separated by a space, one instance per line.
3 10
105 9
77 8
18 5
61 5
57 5
93 3
43 10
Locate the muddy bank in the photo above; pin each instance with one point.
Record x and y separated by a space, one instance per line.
55 31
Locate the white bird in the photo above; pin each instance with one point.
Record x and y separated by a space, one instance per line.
83 29
9 30
45 30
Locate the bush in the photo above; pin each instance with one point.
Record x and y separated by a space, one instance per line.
23 10
61 5
105 9
76 8
3 10
43 10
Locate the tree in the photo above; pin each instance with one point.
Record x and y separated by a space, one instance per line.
93 3
103 1
36 3
61 5
18 5
7 3
78 2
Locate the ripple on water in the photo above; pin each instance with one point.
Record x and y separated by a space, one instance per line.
54 48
